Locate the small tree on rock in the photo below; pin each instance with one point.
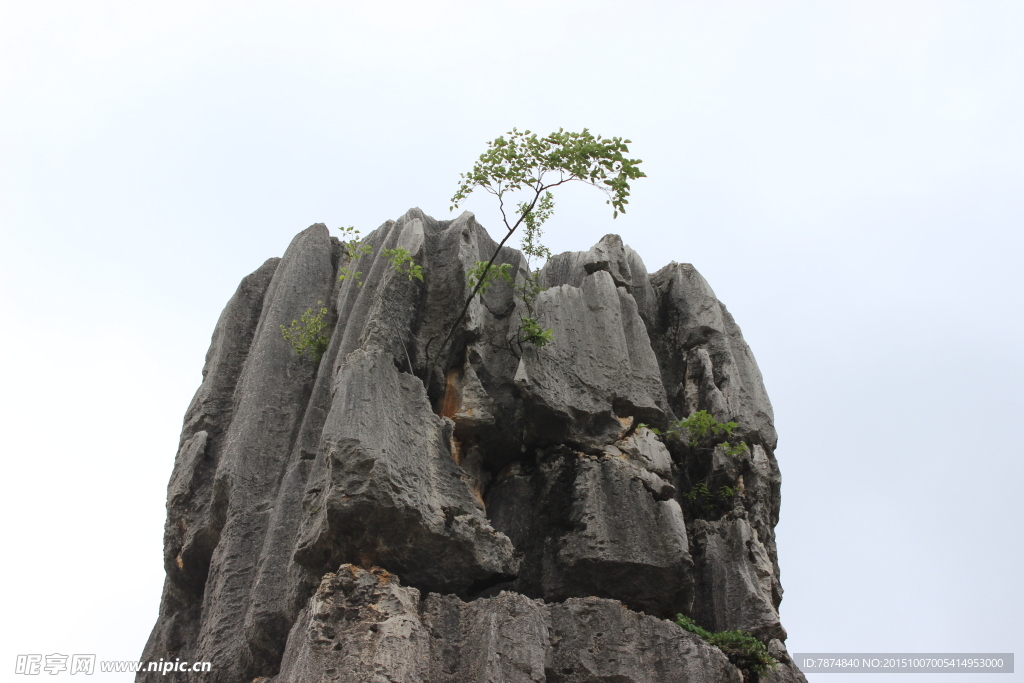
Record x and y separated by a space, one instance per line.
524 163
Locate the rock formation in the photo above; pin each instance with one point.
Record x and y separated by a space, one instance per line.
406 511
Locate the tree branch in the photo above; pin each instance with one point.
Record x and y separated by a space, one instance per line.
483 274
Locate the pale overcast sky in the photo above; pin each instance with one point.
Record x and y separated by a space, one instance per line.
849 177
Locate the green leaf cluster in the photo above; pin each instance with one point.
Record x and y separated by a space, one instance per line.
744 651
344 273
532 333
308 334
403 263
701 430
701 425
485 276
533 218
709 501
523 161
355 249
352 244
687 624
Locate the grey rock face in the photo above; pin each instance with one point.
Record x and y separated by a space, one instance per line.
498 512
612 256
391 493
504 638
600 641
595 525
599 373
739 595
704 361
647 451
359 626
363 626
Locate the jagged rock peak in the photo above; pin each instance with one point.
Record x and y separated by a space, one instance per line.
480 496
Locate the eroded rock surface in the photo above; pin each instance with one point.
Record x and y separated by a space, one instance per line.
595 525
364 626
499 512
390 492
598 374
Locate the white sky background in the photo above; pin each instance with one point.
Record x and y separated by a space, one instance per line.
847 175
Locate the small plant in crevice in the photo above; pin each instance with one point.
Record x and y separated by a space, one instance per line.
744 651
687 624
403 263
354 248
530 332
485 276
401 260
308 335
708 501
701 431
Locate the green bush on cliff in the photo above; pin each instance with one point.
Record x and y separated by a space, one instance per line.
308 334
744 651
702 430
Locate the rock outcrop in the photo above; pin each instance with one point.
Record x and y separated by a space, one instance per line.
409 509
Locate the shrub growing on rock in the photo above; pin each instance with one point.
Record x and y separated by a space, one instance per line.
747 653
309 334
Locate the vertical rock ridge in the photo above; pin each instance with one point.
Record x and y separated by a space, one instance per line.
193 526
706 365
269 399
282 587
705 362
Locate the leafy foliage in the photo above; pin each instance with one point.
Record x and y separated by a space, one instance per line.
701 430
352 244
403 262
702 424
530 288
355 248
534 219
532 332
744 651
476 274
736 449
525 162
687 624
345 273
710 501
309 334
